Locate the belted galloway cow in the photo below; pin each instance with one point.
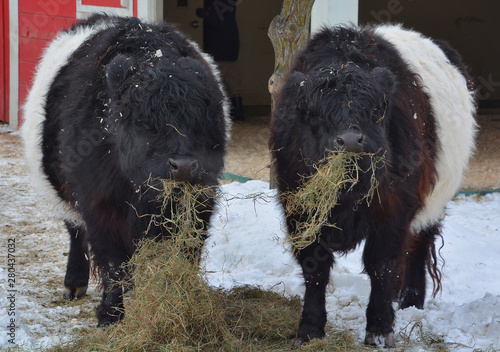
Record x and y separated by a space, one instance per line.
115 105
387 92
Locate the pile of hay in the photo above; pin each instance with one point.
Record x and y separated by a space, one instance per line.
338 172
171 307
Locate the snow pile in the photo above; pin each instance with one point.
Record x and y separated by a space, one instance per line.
247 245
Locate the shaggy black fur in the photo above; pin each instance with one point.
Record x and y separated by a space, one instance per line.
135 101
348 80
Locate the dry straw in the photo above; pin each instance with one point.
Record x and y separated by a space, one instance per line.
181 208
171 307
319 193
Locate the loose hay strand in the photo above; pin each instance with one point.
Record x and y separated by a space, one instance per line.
319 193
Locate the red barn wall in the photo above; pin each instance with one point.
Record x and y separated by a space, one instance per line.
39 22
4 62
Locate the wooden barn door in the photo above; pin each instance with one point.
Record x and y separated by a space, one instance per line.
4 62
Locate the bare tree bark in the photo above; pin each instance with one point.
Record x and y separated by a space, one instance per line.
288 32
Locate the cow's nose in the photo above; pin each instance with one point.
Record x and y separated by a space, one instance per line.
184 169
350 140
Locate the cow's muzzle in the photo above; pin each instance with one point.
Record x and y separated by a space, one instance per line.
350 141
184 169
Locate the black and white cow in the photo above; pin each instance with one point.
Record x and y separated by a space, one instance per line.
388 91
115 102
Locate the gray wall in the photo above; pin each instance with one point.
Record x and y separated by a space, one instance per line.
471 27
249 75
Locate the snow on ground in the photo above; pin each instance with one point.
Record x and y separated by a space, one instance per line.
247 246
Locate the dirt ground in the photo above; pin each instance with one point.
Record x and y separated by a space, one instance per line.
249 155
484 168
40 244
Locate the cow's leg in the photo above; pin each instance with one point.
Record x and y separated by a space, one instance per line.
111 308
316 261
77 270
380 258
419 255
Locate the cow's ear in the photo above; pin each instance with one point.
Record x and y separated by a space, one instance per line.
298 79
385 79
296 84
118 70
188 64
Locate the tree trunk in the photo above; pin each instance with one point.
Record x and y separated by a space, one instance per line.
288 32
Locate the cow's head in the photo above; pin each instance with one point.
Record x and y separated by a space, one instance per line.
330 109
166 119
340 108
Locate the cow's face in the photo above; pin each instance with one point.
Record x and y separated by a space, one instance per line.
341 109
166 119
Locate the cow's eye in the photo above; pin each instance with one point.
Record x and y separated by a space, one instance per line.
312 116
378 113
138 122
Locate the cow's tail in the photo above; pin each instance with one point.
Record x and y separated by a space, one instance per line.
422 249
433 258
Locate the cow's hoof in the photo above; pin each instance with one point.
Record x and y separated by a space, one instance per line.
297 343
104 323
70 293
108 316
371 339
108 320
389 341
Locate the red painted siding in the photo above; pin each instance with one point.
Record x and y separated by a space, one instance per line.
31 49
42 26
26 73
60 8
39 22
4 62
110 3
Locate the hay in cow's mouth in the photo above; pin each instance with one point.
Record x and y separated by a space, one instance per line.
182 209
319 193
